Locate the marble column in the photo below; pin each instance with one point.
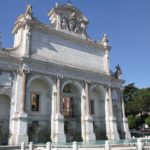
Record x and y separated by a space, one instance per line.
54 100
87 119
23 94
58 106
124 119
59 118
22 118
113 124
107 115
87 102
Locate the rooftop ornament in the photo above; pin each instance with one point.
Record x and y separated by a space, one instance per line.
28 11
104 42
118 72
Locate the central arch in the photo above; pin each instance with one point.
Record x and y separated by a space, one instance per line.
72 92
97 109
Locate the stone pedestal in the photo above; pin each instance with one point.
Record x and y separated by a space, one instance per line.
126 128
113 129
87 129
22 129
59 129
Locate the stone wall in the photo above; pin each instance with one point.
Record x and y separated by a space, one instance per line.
67 51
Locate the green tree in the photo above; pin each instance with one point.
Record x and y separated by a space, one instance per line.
142 100
147 121
134 122
129 91
131 108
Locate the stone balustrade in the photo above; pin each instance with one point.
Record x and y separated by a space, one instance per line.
139 144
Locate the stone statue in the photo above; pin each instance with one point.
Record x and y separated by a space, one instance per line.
64 24
118 72
53 19
83 24
72 21
78 28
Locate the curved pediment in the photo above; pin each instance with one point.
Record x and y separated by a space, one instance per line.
67 17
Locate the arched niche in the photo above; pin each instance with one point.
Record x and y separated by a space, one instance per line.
97 109
4 119
72 94
39 106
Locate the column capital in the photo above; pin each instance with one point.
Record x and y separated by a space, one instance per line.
24 70
87 81
60 76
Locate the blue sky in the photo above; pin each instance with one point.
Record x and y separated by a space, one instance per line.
127 23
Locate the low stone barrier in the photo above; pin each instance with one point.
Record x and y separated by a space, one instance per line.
140 144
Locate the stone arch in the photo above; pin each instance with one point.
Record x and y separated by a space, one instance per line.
72 101
81 88
48 79
4 118
98 96
79 85
43 88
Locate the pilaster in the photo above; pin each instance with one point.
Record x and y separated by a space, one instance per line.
124 120
20 117
59 118
112 119
87 119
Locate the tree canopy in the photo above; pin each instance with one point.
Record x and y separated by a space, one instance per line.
129 91
137 100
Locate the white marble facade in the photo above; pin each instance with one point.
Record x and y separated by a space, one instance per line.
56 84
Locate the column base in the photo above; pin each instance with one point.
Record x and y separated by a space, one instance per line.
126 128
22 138
88 135
59 129
113 129
52 128
22 135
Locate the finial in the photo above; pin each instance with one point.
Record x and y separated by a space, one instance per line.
105 39
56 4
29 8
104 42
28 12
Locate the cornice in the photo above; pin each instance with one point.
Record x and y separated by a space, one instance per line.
41 67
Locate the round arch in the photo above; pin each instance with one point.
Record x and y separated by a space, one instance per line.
43 77
73 104
41 88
